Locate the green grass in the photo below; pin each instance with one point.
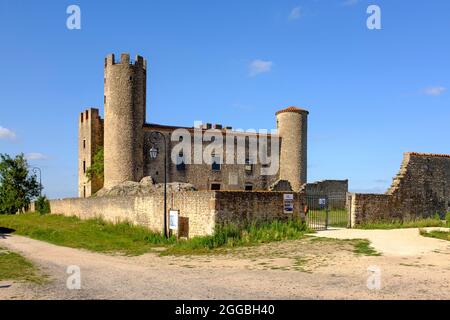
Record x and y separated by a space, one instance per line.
443 235
230 236
397 224
360 246
124 238
336 217
363 247
15 267
94 234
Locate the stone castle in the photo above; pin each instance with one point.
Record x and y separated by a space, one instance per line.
224 191
125 135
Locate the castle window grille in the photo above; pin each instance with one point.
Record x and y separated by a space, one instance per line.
181 166
248 166
215 166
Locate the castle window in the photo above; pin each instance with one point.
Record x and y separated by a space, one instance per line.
82 117
215 163
84 191
84 166
84 143
248 166
87 114
248 187
180 162
215 186
104 99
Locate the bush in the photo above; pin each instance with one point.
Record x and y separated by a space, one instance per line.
42 205
231 235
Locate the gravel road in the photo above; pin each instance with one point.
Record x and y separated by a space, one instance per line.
302 269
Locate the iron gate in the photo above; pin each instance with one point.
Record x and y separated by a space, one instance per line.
324 211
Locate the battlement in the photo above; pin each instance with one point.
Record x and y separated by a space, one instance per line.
125 59
88 115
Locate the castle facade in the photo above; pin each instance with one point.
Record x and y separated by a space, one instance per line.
127 141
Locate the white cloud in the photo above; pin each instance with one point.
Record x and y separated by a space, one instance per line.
434 91
35 156
295 13
7 134
259 66
350 2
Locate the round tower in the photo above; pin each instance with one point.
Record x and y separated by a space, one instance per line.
292 125
124 100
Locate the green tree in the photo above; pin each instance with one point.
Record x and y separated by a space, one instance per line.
17 186
97 168
42 205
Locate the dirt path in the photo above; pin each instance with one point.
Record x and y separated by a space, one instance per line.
404 242
303 269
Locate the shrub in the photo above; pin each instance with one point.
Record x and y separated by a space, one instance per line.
232 235
42 205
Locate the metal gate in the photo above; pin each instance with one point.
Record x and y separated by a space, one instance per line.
324 211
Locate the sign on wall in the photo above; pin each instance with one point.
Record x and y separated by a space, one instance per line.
288 203
322 202
173 219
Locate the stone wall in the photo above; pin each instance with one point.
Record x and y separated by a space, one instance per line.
421 189
244 207
147 211
200 211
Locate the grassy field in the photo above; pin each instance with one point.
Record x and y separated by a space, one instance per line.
336 217
421 223
360 246
124 238
94 235
443 235
15 267
231 236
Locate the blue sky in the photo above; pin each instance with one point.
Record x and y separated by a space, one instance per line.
372 94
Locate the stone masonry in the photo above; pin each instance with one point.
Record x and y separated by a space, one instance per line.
421 189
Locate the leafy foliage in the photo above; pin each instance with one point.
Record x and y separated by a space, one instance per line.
97 168
17 187
42 205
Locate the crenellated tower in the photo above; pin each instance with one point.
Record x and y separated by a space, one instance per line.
292 125
124 103
90 139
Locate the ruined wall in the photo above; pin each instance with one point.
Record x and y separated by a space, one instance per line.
200 211
90 138
421 189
